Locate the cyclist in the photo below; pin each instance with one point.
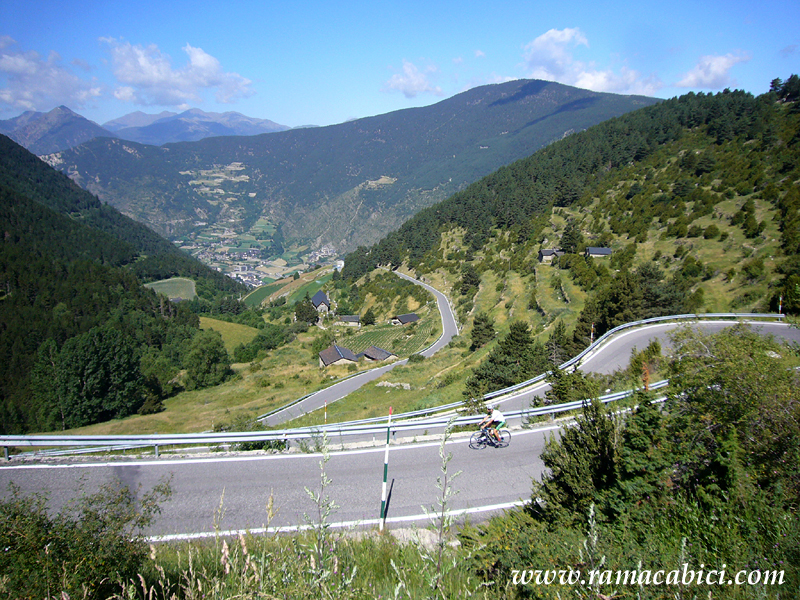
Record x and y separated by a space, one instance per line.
494 420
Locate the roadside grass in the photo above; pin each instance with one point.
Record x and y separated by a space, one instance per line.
363 564
176 287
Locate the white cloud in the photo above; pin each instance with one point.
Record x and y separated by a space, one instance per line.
411 81
147 77
550 57
31 82
712 72
480 54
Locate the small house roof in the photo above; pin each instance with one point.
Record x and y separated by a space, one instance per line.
334 352
375 353
319 299
350 318
551 252
409 318
598 251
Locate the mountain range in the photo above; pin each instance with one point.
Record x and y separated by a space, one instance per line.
188 126
61 128
347 184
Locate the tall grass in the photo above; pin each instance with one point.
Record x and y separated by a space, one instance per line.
316 563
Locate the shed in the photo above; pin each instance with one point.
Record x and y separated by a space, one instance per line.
598 252
335 355
547 255
321 302
376 354
404 319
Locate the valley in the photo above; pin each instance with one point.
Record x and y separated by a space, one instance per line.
340 186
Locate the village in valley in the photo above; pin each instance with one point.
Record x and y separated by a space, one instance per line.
250 255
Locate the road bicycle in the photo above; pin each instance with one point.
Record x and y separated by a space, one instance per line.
481 439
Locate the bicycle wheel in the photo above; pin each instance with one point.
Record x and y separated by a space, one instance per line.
477 441
505 438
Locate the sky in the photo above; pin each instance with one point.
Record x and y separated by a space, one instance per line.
321 62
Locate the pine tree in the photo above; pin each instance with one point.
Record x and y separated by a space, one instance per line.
583 466
482 330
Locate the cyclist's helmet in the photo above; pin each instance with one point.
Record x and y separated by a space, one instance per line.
489 410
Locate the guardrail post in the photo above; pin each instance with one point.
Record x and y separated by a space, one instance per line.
156 450
5 452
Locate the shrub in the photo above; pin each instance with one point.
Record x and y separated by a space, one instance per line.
711 232
85 551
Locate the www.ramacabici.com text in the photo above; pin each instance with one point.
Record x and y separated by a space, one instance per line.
683 576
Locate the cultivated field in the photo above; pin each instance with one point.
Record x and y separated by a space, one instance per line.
177 287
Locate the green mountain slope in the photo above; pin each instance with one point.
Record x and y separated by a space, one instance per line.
697 198
151 256
346 184
81 339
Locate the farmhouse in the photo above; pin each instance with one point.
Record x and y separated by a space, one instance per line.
321 302
336 355
349 320
376 354
598 252
404 319
547 255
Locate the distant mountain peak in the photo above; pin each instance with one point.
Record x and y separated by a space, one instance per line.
53 131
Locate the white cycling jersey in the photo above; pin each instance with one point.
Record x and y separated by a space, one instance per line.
497 416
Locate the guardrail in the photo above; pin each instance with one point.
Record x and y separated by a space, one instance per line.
362 427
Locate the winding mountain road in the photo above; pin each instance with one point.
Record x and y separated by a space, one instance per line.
241 485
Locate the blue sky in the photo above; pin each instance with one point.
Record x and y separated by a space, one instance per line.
300 62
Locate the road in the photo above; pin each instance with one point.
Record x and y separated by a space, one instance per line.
615 355
242 484
343 388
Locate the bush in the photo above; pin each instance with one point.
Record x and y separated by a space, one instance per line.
85 551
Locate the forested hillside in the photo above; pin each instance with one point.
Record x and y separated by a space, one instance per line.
156 258
626 181
697 198
81 339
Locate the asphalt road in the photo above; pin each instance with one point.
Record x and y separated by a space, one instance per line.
242 485
615 355
238 487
